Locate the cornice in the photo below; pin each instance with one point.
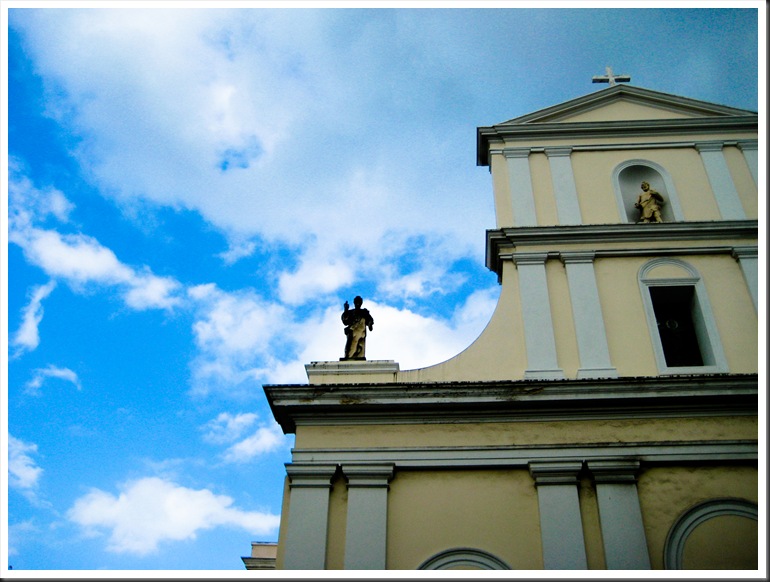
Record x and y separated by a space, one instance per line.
504 133
502 243
717 394
520 456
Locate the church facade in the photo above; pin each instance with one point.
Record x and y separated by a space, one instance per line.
607 417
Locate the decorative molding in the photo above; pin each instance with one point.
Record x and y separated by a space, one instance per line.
502 243
596 455
555 472
368 475
464 558
505 134
655 396
677 536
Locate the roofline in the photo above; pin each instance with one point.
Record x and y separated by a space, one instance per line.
616 91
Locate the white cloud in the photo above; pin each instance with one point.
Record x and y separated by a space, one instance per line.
76 258
314 278
150 511
228 427
236 334
23 471
40 375
199 115
27 337
264 440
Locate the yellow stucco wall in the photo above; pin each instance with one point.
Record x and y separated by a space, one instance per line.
481 434
665 493
433 511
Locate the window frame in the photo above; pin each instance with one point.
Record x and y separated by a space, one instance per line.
712 354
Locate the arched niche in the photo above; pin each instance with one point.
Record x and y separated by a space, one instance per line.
627 180
718 534
464 559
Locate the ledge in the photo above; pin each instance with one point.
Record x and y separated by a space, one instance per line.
351 371
501 243
373 403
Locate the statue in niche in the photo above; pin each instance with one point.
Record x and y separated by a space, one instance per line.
356 321
649 203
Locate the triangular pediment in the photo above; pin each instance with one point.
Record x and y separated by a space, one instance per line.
627 103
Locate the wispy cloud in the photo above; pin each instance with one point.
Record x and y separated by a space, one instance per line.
23 471
150 511
27 337
40 375
76 258
264 440
226 427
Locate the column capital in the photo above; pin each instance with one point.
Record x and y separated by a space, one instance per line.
529 258
555 472
710 146
577 257
748 146
371 475
745 252
516 152
310 475
553 152
614 470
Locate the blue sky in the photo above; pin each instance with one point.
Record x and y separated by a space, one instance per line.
191 196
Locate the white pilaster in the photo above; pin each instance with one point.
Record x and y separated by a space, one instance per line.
620 515
561 527
749 149
564 189
536 313
520 184
721 181
366 533
747 259
308 516
587 314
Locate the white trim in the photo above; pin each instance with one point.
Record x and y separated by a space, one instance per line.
520 184
306 528
536 313
669 191
564 189
561 526
519 456
750 154
620 515
464 558
677 536
747 258
706 328
590 332
722 185
367 515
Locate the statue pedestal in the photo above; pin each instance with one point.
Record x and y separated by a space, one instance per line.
352 371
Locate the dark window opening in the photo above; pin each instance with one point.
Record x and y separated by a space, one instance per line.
673 308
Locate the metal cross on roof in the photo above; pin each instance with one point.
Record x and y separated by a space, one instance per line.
610 78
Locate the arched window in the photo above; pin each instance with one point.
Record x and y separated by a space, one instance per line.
464 559
726 537
682 328
627 179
